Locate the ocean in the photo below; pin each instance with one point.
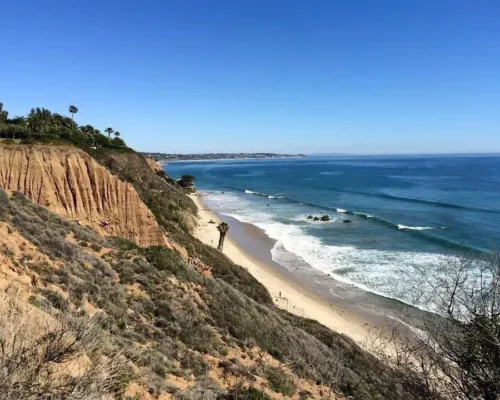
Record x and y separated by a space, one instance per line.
409 214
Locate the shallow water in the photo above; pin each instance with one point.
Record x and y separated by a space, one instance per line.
405 211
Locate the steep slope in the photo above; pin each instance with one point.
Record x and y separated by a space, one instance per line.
72 184
170 323
175 212
185 323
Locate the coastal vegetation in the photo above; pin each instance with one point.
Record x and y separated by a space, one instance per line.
223 228
186 181
43 125
184 320
456 351
162 317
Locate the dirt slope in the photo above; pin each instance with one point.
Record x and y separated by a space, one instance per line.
72 184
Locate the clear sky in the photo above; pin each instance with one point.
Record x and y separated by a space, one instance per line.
360 76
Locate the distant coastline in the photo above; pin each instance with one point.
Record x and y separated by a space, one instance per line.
164 158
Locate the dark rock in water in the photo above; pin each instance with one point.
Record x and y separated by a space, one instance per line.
347 221
309 217
316 219
325 218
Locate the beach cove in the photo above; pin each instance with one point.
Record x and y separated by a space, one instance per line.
246 246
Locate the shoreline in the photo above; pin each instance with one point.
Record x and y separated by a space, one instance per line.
306 296
233 159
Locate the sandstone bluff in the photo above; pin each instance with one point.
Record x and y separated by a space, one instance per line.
71 183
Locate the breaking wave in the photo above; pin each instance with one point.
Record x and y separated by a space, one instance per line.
371 270
403 198
416 228
422 231
269 196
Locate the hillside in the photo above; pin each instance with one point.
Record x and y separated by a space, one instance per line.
172 322
72 184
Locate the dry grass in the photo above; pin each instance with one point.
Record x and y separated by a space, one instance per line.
54 356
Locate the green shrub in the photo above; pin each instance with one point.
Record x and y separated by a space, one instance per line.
225 269
195 363
4 204
165 259
250 393
55 299
122 243
155 360
36 302
280 381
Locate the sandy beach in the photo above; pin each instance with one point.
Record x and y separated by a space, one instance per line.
285 292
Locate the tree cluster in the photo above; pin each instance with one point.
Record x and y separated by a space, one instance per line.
43 125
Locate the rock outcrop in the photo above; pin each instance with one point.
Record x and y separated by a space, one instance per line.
71 183
155 166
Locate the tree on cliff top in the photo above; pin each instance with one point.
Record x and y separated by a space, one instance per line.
3 114
109 131
43 125
73 110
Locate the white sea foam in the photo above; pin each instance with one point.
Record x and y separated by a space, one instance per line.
384 272
249 192
363 214
416 228
341 210
331 173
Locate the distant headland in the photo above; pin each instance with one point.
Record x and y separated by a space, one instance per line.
167 157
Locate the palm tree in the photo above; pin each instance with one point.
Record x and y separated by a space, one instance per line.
73 110
117 134
222 228
109 131
3 113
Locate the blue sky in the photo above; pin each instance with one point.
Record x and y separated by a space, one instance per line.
371 76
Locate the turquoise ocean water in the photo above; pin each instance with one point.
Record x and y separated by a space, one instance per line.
406 211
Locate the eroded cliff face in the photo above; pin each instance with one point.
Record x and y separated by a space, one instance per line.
71 183
155 166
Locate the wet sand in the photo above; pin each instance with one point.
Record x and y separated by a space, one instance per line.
303 290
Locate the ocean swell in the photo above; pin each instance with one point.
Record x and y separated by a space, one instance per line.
421 231
384 272
395 198
269 196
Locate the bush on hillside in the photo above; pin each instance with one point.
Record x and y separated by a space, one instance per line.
280 381
250 393
34 358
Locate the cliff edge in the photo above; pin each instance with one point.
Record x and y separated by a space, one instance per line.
72 184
